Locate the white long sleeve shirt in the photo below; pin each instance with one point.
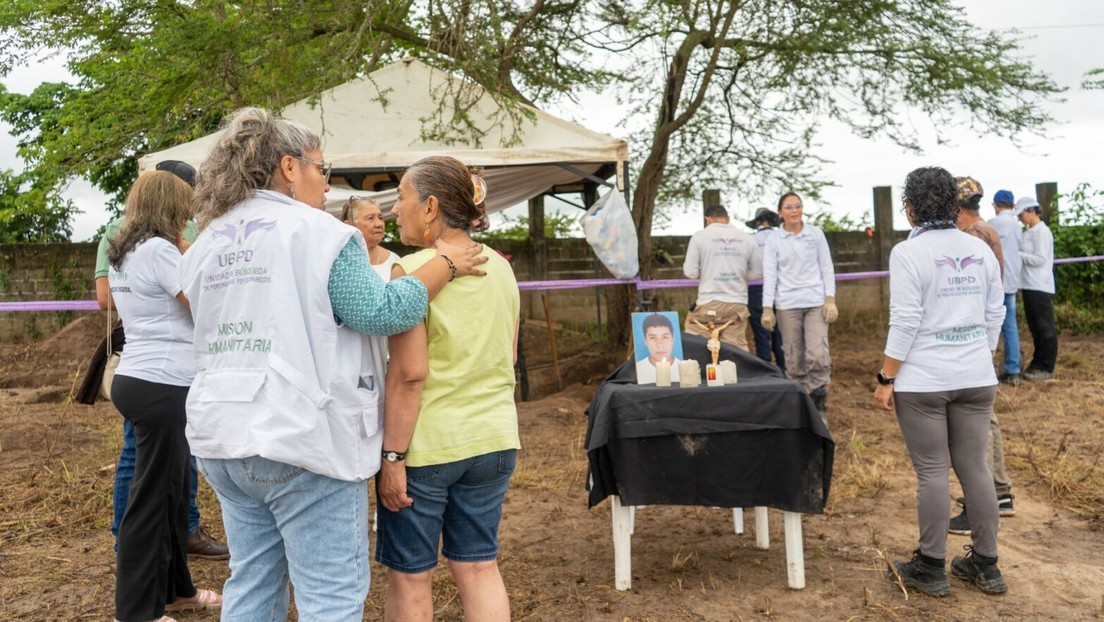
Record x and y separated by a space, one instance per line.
797 269
1037 253
946 306
723 259
1010 231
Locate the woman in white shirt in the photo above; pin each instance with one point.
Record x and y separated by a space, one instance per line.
945 313
799 281
150 389
366 215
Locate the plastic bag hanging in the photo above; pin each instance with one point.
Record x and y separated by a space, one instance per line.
610 231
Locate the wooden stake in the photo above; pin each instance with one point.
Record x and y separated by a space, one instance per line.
552 341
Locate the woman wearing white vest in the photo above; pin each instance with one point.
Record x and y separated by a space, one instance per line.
283 412
799 284
946 308
450 433
150 388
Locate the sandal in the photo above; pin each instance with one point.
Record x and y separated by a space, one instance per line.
161 619
204 599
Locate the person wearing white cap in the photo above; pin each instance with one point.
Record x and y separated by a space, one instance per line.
1037 253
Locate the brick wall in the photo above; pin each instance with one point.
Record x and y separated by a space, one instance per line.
64 272
43 272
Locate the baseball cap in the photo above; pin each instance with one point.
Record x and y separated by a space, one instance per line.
1004 197
763 214
1027 203
968 188
183 170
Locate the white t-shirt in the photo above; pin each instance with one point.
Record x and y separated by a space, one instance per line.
158 327
946 307
384 269
646 371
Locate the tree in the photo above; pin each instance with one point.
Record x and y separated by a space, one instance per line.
153 73
31 211
733 91
746 83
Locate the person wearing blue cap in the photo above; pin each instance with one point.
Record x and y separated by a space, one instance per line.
1010 235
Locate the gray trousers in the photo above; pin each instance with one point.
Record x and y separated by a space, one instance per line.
995 457
944 429
805 344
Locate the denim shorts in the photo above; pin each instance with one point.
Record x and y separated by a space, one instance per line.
457 502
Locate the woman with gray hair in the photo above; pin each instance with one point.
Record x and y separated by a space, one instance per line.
946 308
283 413
366 215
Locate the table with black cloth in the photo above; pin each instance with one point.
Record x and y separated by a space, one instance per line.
758 443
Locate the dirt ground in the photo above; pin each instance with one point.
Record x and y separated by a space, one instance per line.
57 464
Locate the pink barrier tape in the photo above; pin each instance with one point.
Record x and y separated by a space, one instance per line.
92 305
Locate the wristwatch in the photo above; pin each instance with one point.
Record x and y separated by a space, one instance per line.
394 456
884 379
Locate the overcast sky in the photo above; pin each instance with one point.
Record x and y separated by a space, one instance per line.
1064 39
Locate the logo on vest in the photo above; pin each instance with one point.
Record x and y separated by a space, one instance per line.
240 232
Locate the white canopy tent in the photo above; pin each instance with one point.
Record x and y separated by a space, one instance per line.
372 128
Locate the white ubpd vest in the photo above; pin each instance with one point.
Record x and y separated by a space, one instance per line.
277 377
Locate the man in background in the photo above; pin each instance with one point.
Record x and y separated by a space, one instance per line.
969 221
723 259
1037 253
1010 232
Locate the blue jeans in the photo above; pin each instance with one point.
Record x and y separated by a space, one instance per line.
457 504
124 471
1010 333
766 341
284 522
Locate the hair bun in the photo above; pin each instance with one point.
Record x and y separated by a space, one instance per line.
480 187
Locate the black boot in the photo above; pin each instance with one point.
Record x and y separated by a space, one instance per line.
980 570
923 574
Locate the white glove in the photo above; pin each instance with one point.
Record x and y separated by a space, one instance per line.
830 311
767 321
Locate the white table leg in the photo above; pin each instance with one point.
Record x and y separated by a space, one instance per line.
738 519
795 550
632 520
762 533
622 543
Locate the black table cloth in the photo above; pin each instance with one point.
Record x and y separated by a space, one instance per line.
759 442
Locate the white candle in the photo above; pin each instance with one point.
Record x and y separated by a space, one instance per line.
663 373
689 374
728 372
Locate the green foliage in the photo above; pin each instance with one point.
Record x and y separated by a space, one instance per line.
1080 233
555 226
149 75
1094 79
32 211
827 221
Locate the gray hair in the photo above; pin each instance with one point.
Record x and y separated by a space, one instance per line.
246 158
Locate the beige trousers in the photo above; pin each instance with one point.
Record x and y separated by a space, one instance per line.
735 334
805 344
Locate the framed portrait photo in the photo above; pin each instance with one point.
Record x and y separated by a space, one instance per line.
656 340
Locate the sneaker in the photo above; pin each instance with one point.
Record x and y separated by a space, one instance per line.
981 573
959 524
1036 375
1004 505
203 546
919 575
1012 379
